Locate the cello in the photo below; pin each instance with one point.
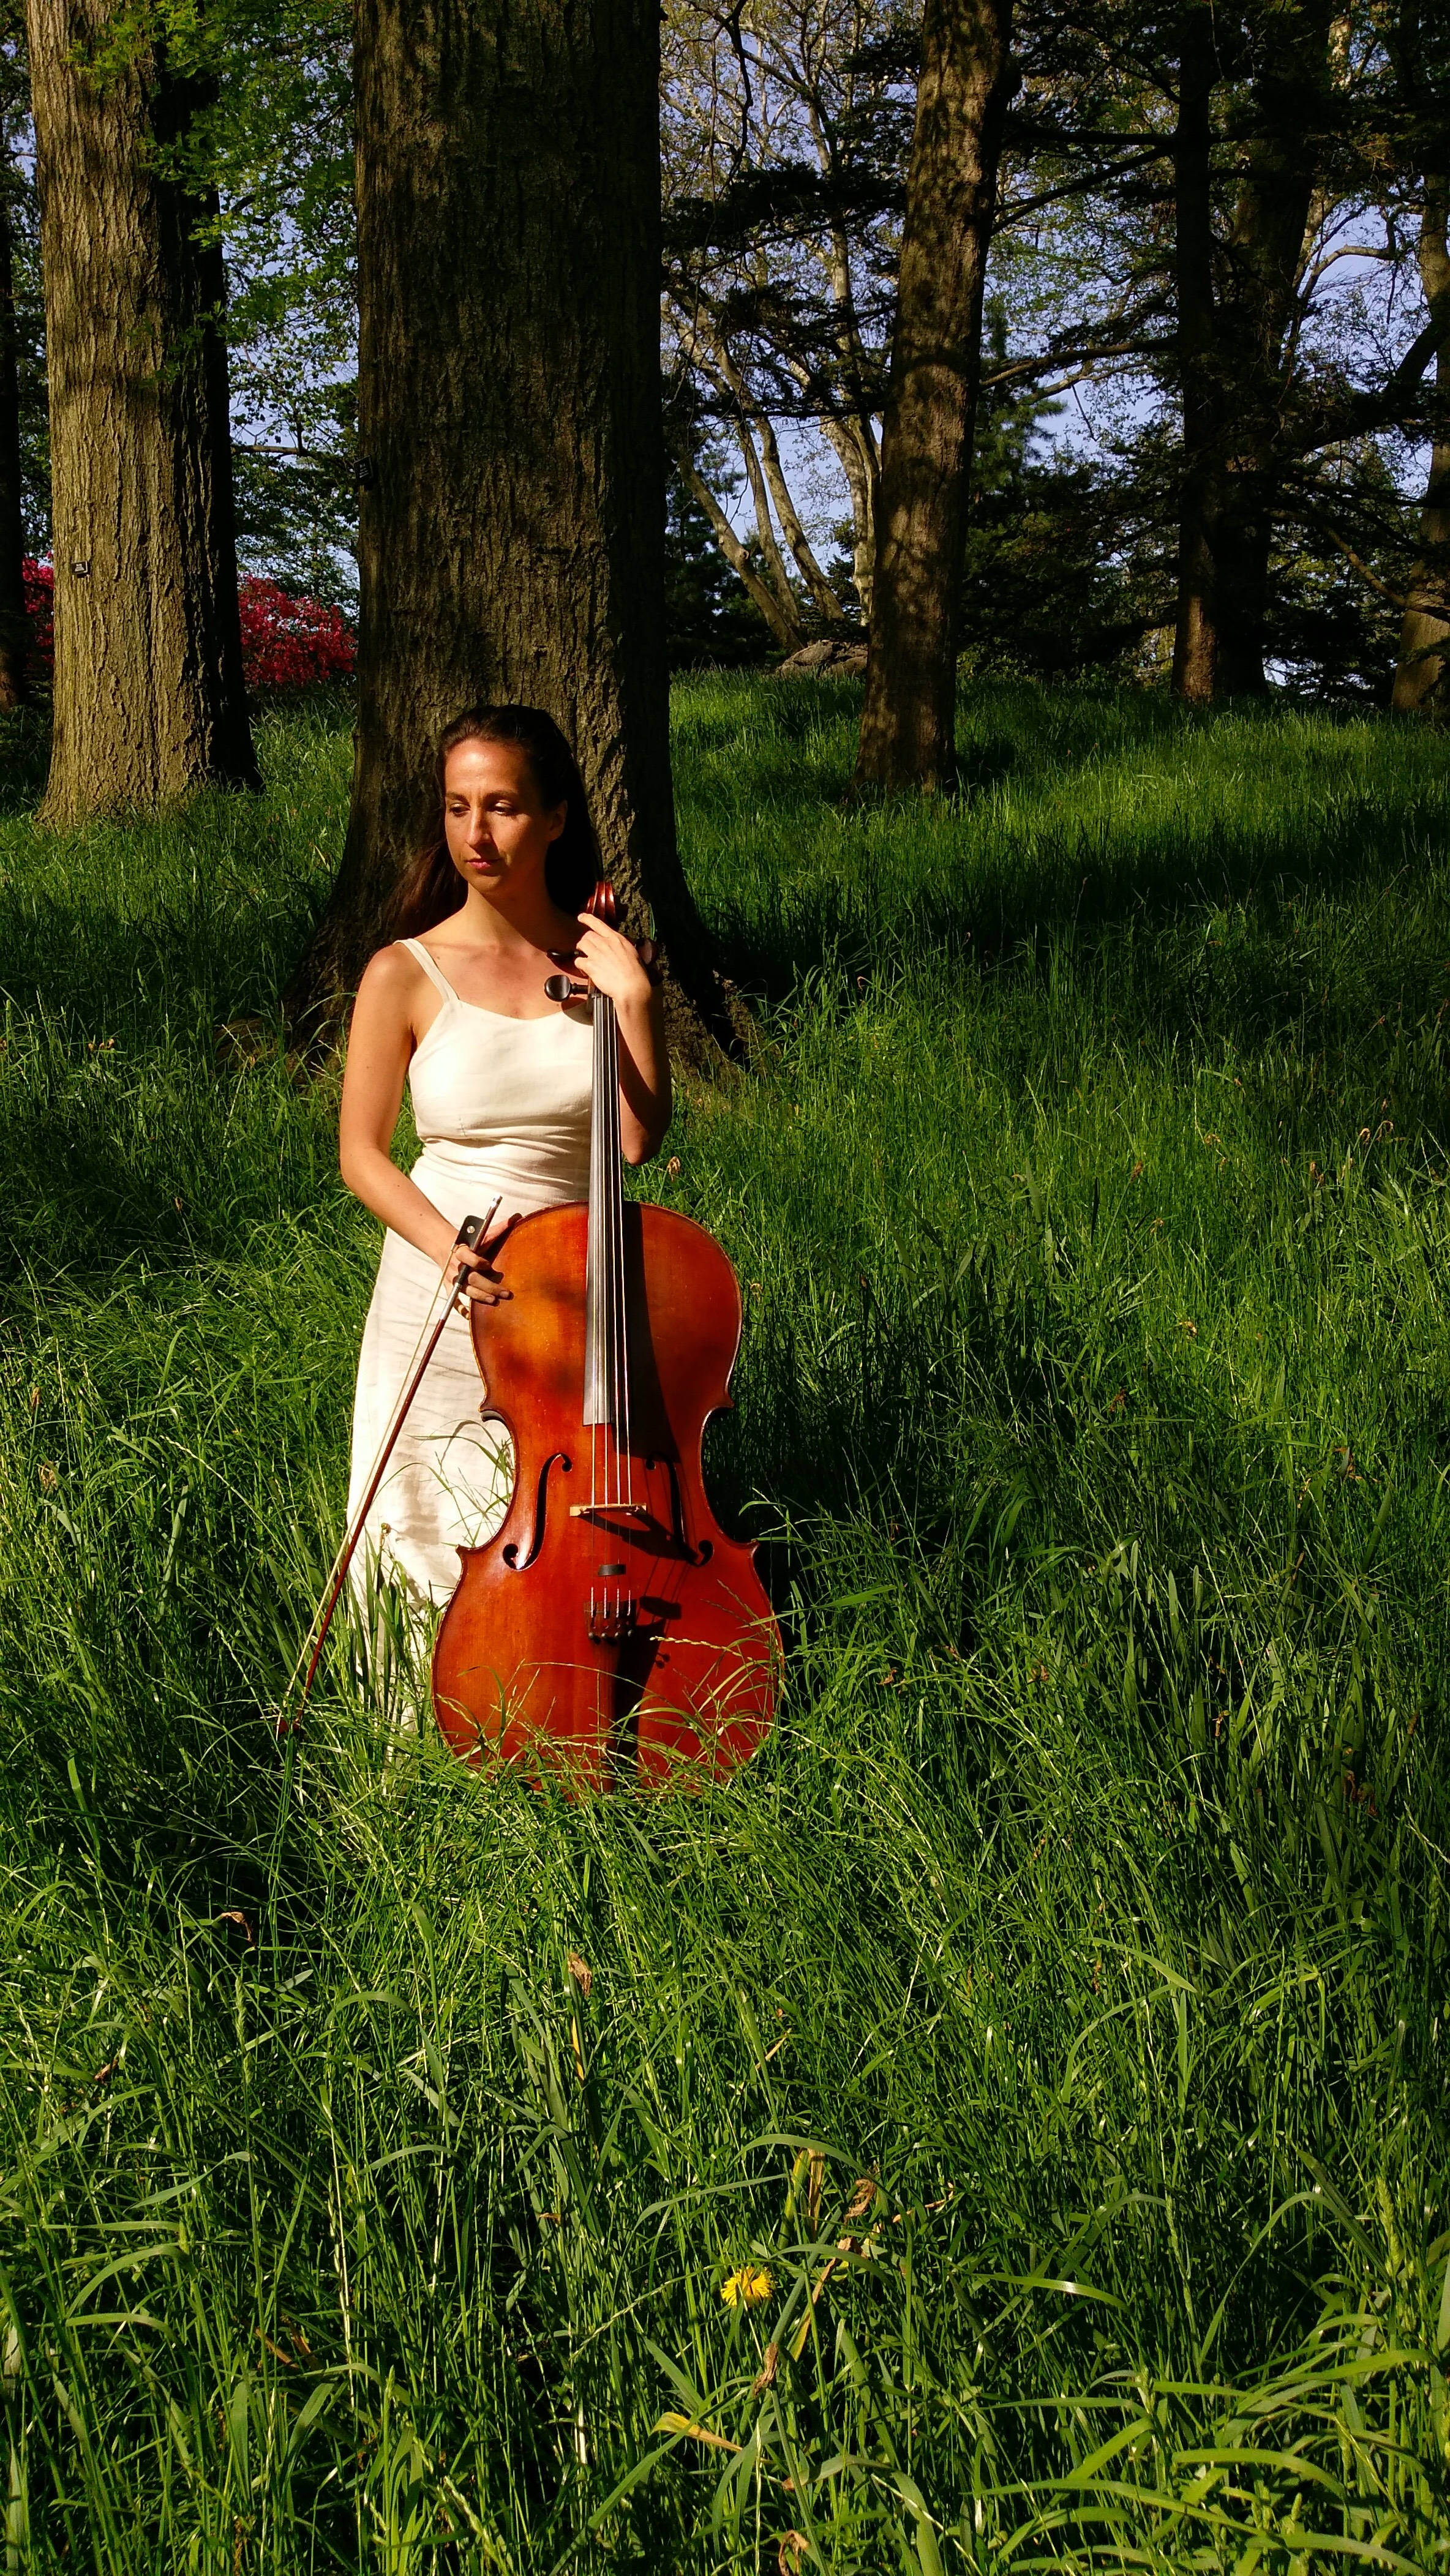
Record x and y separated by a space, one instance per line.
610 1630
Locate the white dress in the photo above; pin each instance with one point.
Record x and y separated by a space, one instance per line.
502 1109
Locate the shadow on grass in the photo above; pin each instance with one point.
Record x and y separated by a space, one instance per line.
1109 810
24 759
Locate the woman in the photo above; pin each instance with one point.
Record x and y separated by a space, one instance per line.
500 1079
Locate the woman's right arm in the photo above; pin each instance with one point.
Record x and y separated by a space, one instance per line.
378 1052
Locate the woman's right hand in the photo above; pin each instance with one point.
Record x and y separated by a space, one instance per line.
478 1282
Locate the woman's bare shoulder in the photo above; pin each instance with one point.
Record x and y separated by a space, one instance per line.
391 974
393 993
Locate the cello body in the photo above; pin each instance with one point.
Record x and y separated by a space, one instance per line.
611 1631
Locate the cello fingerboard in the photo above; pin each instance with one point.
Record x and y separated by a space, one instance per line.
605 1363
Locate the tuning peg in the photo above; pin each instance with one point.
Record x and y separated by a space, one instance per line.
562 988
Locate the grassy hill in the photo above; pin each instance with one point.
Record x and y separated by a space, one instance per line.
1007 2127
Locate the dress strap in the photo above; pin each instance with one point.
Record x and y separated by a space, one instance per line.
431 969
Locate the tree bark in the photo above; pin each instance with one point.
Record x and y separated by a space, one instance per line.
760 425
783 627
14 623
149 696
1236 303
512 523
827 604
1422 676
862 471
908 722
1195 643
1265 257
770 554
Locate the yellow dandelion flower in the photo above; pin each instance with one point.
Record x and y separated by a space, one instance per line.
747 2287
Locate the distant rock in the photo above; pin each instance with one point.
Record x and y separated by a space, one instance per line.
830 657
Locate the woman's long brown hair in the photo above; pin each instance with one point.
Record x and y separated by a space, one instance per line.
433 888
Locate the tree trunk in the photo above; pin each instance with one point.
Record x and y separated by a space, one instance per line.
1265 255
149 696
862 473
1235 309
908 722
1195 643
770 554
827 604
759 425
783 627
14 623
1422 677
512 525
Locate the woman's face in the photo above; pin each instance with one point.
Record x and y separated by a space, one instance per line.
498 831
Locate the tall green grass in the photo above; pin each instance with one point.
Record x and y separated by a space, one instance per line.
1007 2127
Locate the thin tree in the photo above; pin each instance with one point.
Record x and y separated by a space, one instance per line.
787 129
149 695
14 623
1422 677
512 526
778 613
908 720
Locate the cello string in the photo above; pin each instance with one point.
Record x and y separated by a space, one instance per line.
606 1250
623 1283
611 1224
606 1229
606 1253
592 1283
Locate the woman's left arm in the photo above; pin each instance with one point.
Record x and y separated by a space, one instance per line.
610 962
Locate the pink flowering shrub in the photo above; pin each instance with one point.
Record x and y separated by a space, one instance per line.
286 642
39 580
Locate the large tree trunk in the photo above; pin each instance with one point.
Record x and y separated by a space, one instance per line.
149 695
1265 256
512 536
1422 677
908 721
14 624
1195 643
1235 353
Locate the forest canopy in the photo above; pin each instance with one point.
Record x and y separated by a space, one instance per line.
1216 289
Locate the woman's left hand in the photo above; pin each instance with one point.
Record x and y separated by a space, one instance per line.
610 962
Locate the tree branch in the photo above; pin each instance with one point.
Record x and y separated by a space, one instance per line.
1341 545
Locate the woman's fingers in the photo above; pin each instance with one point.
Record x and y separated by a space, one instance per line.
480 1287
474 1282
610 961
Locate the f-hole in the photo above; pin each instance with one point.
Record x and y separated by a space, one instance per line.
706 1549
510 1554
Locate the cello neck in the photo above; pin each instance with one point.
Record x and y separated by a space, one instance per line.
604 1349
